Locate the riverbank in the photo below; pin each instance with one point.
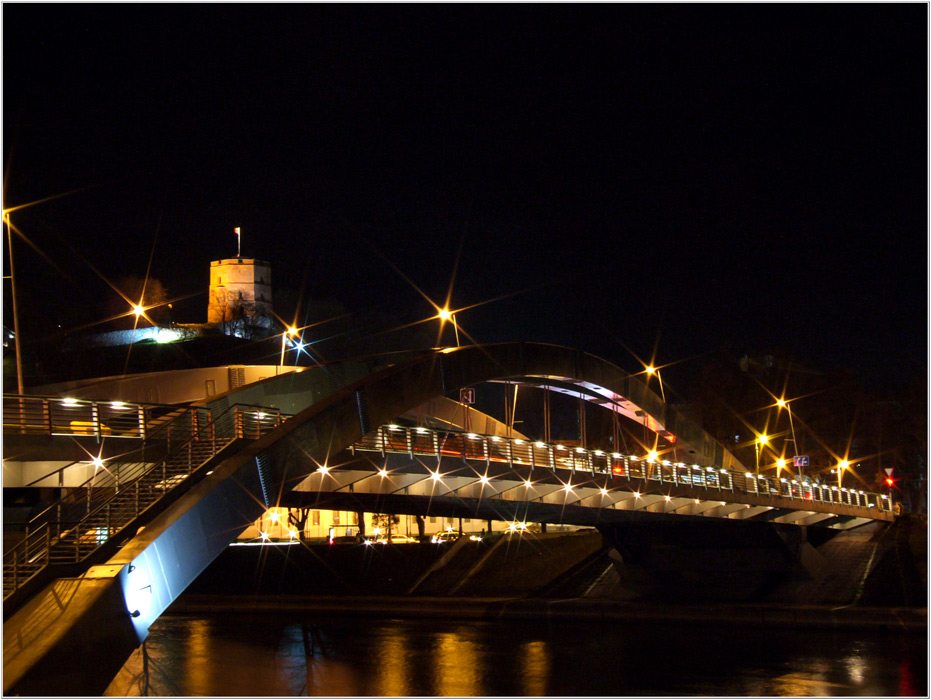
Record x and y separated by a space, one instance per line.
893 620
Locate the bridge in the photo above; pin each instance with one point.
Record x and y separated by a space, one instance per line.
179 483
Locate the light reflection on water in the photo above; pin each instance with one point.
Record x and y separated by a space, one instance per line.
271 655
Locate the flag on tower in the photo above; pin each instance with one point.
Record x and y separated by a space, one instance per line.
238 239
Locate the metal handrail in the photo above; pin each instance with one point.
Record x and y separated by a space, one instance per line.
44 415
524 453
162 432
237 421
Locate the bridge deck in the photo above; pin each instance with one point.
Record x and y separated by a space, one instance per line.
479 466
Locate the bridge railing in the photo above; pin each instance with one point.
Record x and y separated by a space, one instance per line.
519 452
44 415
86 517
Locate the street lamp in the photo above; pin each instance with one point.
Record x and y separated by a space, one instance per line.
780 465
284 336
761 440
782 403
445 315
841 466
19 356
653 370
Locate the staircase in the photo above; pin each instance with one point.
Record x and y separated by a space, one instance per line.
73 533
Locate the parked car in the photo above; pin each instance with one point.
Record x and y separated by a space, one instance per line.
442 537
400 539
347 539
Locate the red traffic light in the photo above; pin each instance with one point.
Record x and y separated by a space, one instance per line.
889 481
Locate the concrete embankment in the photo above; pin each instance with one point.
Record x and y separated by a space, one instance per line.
866 579
576 609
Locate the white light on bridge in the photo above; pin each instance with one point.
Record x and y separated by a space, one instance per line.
668 498
636 494
435 475
604 492
484 479
383 473
567 488
323 469
69 401
529 483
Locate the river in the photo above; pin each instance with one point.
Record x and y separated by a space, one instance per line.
286 655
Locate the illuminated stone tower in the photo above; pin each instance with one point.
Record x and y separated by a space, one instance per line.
240 295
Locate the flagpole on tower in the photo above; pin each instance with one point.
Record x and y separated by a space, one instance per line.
238 240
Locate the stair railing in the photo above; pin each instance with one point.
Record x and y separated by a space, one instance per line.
194 437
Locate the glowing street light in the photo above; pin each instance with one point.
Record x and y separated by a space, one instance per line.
841 466
761 440
780 465
445 315
19 356
651 370
782 403
292 331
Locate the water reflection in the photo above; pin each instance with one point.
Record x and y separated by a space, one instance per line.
456 664
392 664
288 656
535 667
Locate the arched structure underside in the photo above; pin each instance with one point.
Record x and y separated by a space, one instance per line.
114 604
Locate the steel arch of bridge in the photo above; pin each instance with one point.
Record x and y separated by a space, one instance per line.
388 393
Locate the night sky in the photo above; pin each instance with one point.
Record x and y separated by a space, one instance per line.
691 178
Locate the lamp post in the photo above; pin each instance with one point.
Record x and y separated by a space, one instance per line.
652 370
19 356
284 337
782 403
761 440
841 466
445 315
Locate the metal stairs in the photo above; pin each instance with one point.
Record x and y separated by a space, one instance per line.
91 521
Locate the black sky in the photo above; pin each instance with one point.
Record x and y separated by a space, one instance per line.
750 177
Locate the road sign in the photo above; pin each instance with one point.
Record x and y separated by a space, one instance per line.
800 461
888 471
467 396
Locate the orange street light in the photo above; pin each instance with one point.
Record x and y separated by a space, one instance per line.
445 315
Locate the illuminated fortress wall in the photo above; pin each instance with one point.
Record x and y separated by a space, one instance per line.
240 288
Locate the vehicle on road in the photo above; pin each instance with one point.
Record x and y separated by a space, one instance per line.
441 537
347 539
